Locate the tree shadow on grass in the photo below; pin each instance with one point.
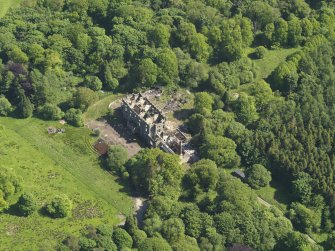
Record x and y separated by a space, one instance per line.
253 56
13 210
125 183
282 193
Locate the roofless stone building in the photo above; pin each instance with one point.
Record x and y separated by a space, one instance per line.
146 120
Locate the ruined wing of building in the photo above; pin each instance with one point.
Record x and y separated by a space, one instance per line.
148 122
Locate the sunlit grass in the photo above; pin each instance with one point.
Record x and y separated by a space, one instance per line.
51 165
6 4
265 66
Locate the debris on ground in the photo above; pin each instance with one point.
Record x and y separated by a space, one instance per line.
54 130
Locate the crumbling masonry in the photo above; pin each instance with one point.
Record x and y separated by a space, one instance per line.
147 121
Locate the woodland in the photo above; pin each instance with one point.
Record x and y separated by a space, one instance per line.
262 73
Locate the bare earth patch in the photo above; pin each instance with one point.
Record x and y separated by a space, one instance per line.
116 133
113 137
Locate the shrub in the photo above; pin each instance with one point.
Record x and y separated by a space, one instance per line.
122 239
83 98
59 207
139 236
5 106
154 243
50 112
260 52
117 157
258 176
9 186
26 204
93 82
96 132
74 117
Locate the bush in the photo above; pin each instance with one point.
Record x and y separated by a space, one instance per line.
87 244
84 97
26 204
139 236
117 157
5 106
305 219
70 243
260 52
59 207
258 176
112 84
93 82
9 186
122 239
74 117
50 112
173 229
96 132
154 244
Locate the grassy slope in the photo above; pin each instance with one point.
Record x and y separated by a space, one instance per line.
275 194
100 108
52 165
6 4
272 59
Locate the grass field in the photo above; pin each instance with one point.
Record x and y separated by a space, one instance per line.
272 59
275 194
6 4
56 164
100 108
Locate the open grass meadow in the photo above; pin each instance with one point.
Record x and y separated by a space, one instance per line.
271 61
275 194
56 164
100 108
6 4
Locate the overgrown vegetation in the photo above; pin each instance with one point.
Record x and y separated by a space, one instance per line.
46 166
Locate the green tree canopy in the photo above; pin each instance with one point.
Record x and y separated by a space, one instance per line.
154 172
203 103
147 72
74 117
59 207
221 150
154 244
5 106
203 174
84 97
26 204
9 186
173 229
122 239
117 158
50 112
258 176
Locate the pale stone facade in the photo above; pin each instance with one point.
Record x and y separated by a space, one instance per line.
148 122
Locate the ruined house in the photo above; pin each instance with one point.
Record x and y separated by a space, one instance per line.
148 122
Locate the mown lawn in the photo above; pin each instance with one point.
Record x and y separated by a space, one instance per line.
51 165
6 4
